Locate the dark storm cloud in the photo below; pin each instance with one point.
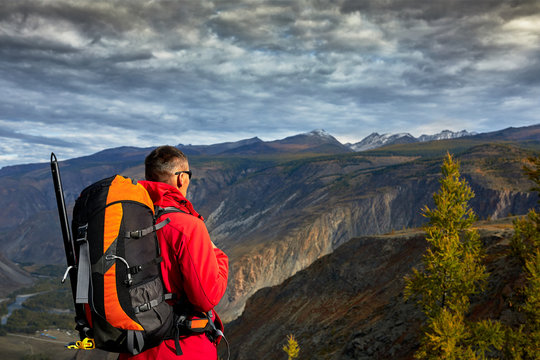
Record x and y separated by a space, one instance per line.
41 140
148 72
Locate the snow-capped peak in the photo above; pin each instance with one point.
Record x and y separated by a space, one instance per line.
319 132
445 134
374 140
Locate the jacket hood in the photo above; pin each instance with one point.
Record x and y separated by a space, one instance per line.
159 191
164 195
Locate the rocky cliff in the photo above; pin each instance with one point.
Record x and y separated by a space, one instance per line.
289 217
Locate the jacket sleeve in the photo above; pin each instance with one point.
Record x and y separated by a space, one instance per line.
204 267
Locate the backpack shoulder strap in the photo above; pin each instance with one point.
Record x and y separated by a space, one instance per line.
167 210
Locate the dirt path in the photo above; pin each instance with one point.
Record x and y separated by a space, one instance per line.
38 338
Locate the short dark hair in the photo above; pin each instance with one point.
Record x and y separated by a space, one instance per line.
162 162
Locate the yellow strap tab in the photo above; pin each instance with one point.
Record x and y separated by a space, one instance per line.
85 344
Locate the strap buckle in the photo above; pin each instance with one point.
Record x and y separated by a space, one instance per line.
85 344
82 231
137 234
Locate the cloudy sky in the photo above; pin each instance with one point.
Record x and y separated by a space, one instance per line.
77 77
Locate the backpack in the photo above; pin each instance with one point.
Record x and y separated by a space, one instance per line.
119 278
115 272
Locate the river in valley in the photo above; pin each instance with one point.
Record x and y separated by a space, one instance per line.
19 300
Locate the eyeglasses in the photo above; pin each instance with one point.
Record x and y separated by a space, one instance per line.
188 172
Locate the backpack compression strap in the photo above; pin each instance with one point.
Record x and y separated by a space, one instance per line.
137 234
135 341
153 303
83 272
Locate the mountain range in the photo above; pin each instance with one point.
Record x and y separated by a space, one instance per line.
316 141
374 140
276 207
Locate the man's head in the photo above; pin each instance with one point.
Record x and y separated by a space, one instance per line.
169 165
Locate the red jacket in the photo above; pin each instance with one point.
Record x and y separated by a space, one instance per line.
192 268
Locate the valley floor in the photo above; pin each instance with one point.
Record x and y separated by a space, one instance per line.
19 346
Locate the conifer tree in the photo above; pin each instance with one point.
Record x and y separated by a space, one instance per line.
532 307
292 349
524 342
452 270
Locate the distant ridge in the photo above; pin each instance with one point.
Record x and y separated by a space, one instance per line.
218 148
316 141
374 140
513 133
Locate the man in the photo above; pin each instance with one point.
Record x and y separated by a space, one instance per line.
193 267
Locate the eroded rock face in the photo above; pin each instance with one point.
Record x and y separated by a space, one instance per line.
282 250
